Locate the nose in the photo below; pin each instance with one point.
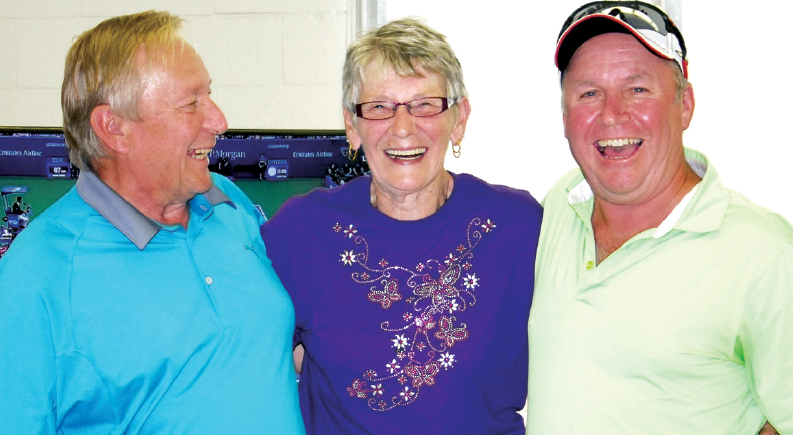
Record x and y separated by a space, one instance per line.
404 123
615 110
215 119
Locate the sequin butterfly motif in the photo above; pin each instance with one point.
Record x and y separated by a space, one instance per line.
438 294
389 294
448 333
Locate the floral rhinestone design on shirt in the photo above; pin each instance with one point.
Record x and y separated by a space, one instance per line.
434 294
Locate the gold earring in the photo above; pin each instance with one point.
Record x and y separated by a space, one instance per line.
351 155
456 148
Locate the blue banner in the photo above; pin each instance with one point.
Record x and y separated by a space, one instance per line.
241 155
26 154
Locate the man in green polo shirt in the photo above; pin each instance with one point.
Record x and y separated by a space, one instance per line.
663 301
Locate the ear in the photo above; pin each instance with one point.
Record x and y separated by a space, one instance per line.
352 133
688 105
109 128
463 112
564 123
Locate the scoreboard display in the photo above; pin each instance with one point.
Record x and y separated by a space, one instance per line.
277 169
33 153
58 167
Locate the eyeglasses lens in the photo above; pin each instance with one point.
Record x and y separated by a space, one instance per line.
387 109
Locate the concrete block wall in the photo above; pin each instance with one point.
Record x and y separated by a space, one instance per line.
275 64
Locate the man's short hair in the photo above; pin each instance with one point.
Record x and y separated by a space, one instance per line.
102 68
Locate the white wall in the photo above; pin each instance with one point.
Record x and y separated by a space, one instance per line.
275 64
738 67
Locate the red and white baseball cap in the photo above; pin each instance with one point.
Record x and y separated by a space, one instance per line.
647 22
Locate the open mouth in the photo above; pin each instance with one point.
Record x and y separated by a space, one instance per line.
616 149
413 154
201 154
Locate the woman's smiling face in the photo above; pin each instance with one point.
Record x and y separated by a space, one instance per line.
405 153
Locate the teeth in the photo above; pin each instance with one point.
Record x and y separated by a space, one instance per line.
406 154
618 142
201 154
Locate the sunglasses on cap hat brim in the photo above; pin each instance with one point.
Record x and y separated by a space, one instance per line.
648 23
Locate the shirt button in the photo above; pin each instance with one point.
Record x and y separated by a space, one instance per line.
589 265
208 280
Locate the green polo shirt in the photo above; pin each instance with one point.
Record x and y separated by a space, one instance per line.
685 329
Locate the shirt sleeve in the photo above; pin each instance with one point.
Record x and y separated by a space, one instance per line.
279 256
27 361
766 336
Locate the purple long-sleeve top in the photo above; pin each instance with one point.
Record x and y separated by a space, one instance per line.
410 326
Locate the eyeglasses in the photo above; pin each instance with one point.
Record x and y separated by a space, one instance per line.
644 20
420 108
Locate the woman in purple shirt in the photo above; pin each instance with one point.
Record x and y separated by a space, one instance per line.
411 287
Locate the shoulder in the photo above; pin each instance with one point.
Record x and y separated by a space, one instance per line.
60 223
738 222
759 226
515 212
321 201
560 190
43 251
496 195
235 194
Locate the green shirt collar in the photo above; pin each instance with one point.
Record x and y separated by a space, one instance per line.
701 210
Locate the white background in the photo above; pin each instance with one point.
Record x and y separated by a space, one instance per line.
739 68
276 64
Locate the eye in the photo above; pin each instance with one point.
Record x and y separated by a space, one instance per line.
589 94
639 90
190 106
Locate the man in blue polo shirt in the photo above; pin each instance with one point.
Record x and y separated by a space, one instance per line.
149 306
663 300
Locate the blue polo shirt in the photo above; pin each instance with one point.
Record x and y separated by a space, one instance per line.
114 324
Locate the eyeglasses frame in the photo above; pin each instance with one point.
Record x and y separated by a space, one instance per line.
446 103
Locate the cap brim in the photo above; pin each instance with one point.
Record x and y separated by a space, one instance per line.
589 27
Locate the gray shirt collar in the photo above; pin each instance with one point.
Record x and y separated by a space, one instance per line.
121 214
